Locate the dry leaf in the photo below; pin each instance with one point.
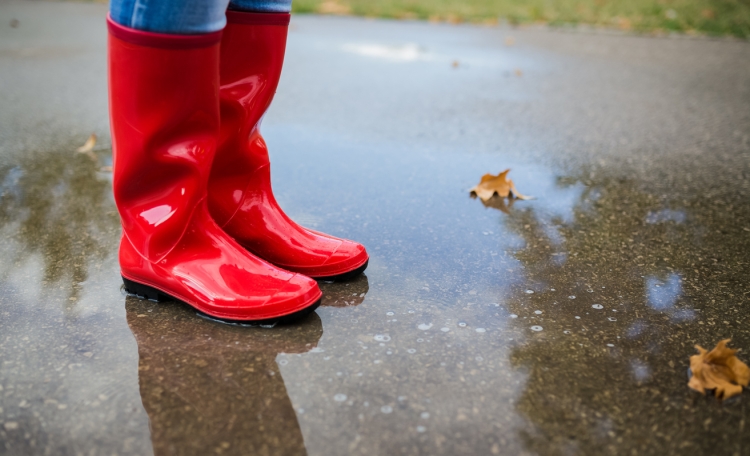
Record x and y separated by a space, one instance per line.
88 147
719 370
497 185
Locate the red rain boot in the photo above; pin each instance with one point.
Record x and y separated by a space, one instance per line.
164 111
239 189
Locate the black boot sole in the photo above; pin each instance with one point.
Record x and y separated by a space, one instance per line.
345 276
152 294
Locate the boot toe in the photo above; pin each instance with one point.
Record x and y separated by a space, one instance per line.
347 257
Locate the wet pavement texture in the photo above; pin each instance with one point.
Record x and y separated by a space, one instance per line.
557 326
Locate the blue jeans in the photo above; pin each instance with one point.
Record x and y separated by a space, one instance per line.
186 17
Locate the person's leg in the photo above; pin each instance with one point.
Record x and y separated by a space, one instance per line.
164 118
181 17
262 6
239 191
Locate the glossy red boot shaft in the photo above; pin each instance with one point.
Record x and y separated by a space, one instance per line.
240 194
164 112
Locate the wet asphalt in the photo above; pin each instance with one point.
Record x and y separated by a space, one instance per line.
557 326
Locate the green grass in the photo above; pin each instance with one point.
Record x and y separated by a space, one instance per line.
708 17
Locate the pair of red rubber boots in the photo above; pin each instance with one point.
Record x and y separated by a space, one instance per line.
192 179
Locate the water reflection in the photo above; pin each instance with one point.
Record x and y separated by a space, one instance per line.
59 206
607 369
210 388
346 294
663 294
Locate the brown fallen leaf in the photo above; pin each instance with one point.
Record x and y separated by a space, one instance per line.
719 370
497 185
88 147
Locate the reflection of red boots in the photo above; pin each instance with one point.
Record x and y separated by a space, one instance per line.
240 196
164 111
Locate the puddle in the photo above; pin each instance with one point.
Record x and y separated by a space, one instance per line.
478 315
398 53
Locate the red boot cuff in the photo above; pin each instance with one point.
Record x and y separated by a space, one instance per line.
252 18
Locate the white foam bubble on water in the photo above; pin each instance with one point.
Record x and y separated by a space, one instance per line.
382 337
317 350
462 324
424 415
529 291
420 340
411 351
300 410
386 409
480 330
577 317
571 297
597 306
421 429
536 328
390 314
339 397
425 326
566 332
611 318
538 312
444 329
283 362
513 316
610 345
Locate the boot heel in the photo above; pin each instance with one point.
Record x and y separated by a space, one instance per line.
145 292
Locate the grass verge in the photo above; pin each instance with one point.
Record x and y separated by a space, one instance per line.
706 17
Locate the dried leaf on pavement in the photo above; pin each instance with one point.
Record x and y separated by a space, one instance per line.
718 370
497 185
88 147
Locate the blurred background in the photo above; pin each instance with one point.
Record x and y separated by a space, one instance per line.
713 17
657 17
